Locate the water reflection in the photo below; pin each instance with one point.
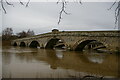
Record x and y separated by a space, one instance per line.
33 63
95 57
59 53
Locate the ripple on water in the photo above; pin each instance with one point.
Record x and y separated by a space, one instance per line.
40 63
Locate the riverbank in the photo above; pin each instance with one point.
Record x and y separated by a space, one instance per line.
6 43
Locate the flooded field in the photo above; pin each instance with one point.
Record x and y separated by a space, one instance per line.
18 62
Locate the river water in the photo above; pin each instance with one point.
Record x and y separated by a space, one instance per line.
18 62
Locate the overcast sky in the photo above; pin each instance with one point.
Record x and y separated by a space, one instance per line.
42 17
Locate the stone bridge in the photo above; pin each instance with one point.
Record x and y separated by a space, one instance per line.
73 40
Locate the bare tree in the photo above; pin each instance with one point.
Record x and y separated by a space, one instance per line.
30 32
7 33
25 34
22 34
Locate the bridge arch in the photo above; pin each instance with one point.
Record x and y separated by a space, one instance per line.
22 44
55 43
14 44
89 43
34 44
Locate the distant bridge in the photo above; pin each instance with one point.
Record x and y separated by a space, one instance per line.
73 40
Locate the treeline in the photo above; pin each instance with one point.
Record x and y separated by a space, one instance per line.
8 35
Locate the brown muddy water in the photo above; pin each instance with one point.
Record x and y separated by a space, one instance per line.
18 62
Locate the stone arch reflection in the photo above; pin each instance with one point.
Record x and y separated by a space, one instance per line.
52 59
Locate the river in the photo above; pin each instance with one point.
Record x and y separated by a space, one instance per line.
22 62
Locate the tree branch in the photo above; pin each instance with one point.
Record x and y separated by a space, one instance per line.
117 12
8 3
80 1
64 3
112 5
3 6
21 2
28 3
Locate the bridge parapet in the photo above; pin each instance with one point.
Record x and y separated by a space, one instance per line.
76 33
